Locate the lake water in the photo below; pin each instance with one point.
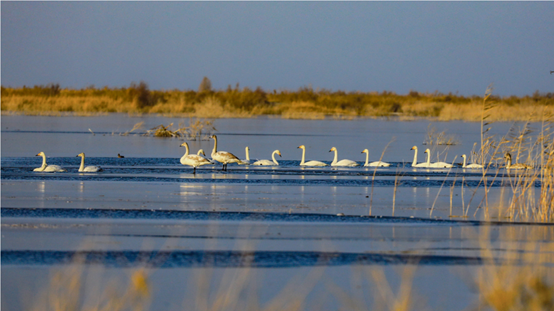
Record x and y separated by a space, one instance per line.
151 211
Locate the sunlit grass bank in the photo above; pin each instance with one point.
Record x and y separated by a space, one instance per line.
304 103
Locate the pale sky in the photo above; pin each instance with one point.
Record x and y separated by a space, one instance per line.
351 46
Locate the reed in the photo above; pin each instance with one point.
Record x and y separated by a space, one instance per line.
439 138
197 129
521 278
304 103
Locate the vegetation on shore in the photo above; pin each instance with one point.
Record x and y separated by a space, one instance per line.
236 102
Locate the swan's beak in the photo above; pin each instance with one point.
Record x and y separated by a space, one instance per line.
280 154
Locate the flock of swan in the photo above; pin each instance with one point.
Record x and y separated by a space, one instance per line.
56 168
224 157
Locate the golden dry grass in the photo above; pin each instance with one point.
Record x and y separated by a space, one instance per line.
304 103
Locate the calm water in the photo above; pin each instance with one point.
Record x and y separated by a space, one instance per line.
148 209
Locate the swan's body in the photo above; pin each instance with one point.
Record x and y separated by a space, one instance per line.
309 163
267 162
517 166
436 164
90 169
376 163
344 162
224 157
47 168
422 164
247 160
194 160
472 165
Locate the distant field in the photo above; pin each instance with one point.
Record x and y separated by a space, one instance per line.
304 103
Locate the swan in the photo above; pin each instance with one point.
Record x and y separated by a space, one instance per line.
247 161
47 168
203 154
309 163
472 165
224 156
267 162
376 163
436 164
194 160
344 162
422 164
120 156
91 169
517 166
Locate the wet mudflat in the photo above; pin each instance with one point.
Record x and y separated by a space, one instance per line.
278 227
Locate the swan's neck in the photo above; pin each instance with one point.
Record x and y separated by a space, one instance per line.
335 158
186 150
366 158
415 158
273 157
303 156
508 162
43 161
214 151
82 167
247 154
465 163
428 159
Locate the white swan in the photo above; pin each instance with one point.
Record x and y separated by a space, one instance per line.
344 162
472 165
376 163
422 164
224 157
267 162
91 169
309 163
436 164
203 154
47 168
194 160
517 166
247 161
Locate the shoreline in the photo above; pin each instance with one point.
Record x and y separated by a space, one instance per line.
394 118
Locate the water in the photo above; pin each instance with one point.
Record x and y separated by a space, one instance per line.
282 221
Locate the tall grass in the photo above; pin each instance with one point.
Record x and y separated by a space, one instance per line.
304 103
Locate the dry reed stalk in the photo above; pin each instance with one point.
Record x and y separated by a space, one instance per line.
403 300
70 289
435 138
397 182
374 173
522 278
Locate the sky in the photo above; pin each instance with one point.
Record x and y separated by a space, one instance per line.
458 47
